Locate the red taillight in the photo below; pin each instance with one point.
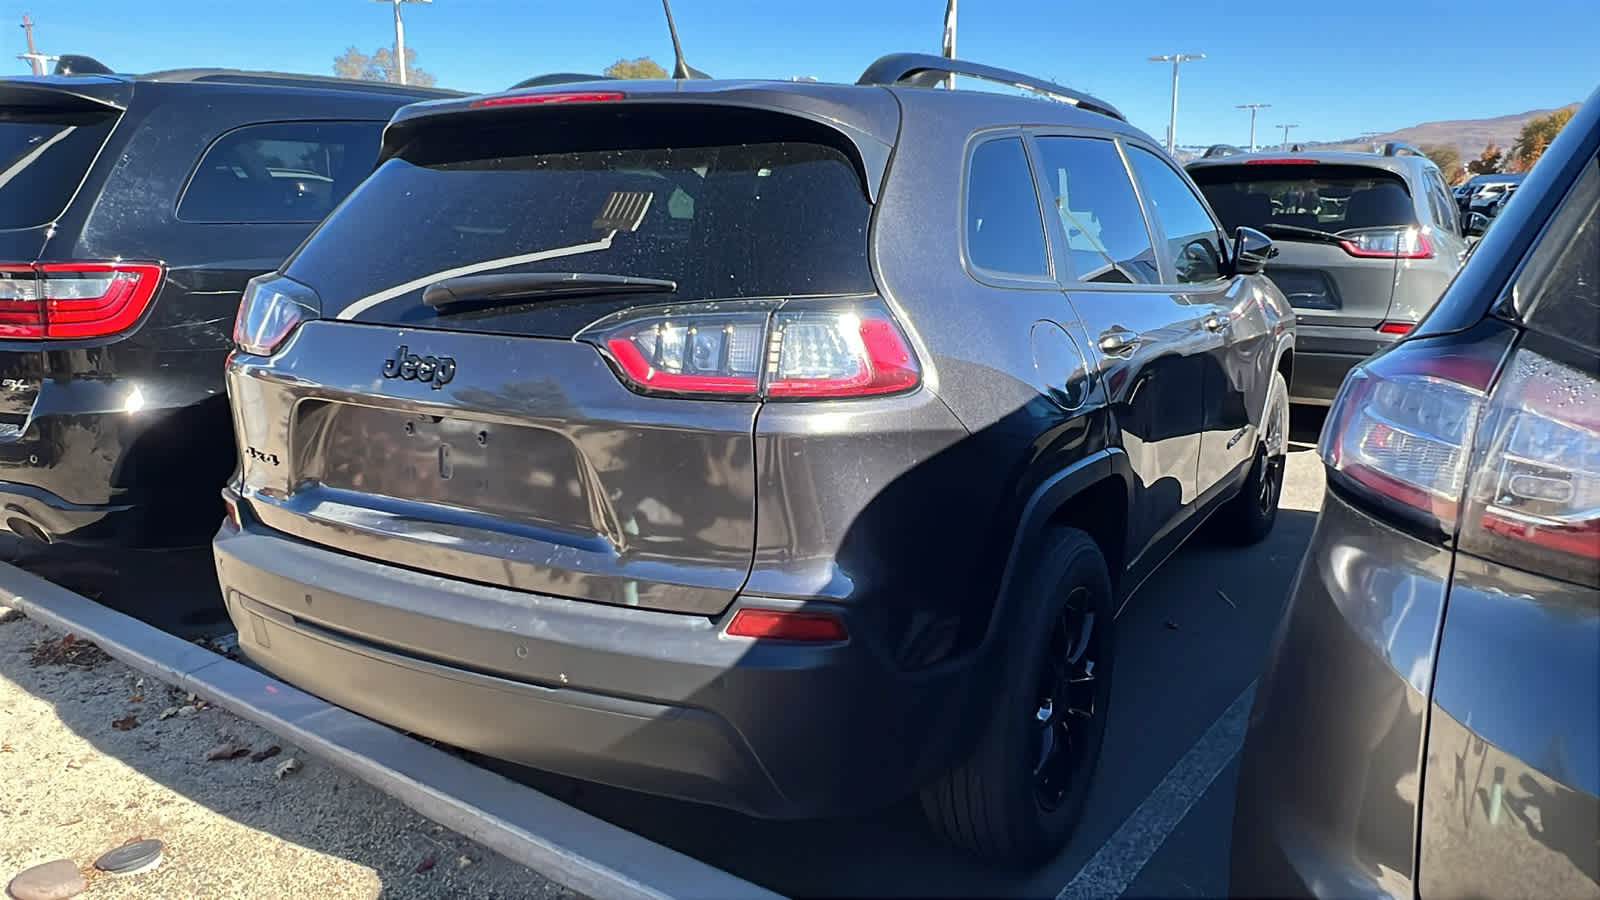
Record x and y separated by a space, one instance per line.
1396 327
75 299
230 511
749 351
555 97
1285 161
1389 243
787 625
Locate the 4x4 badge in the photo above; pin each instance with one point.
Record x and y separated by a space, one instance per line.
438 370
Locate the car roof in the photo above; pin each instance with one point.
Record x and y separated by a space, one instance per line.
1400 164
96 84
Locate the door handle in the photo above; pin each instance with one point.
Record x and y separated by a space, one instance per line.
1216 322
1118 342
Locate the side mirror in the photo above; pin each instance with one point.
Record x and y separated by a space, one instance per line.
1476 224
1251 250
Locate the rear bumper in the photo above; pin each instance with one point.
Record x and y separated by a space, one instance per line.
1324 355
36 514
656 702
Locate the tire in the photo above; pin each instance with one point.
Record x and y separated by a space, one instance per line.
1004 803
1249 516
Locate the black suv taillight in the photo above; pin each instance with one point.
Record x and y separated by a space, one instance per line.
74 299
760 349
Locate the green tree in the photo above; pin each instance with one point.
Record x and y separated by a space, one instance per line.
643 67
1446 157
1491 162
380 67
1537 135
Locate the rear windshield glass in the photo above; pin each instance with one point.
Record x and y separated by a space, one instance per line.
1306 196
42 161
773 219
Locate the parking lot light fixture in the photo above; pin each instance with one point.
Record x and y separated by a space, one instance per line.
1176 59
1253 107
400 36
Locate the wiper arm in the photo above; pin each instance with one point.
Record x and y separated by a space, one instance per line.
511 287
1308 232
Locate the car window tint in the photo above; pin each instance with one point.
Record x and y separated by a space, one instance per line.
1005 230
1191 234
281 172
1107 238
1559 289
1439 199
43 158
1302 195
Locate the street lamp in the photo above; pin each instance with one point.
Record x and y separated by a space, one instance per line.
400 36
1172 125
1253 107
1286 133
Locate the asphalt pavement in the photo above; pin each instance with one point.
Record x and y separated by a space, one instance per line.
1190 645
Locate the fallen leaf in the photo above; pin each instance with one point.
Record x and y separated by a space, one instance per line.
462 862
136 698
168 713
224 750
72 821
287 767
126 723
268 753
1227 598
187 711
427 863
69 640
7 748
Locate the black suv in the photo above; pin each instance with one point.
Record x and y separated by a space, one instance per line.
133 209
783 446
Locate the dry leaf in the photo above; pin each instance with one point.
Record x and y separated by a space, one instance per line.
462 862
427 863
224 750
287 767
136 698
187 711
168 713
7 748
72 821
268 753
126 723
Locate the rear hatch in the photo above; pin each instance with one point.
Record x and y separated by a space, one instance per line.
51 131
1341 231
536 351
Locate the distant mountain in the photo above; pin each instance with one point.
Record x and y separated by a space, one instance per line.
1468 136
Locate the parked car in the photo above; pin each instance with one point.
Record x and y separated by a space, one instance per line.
1429 721
1479 192
757 444
1366 243
133 209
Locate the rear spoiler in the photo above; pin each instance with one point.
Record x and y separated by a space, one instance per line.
72 94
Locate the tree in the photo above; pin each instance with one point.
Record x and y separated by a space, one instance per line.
1489 163
1537 135
1446 157
380 67
643 67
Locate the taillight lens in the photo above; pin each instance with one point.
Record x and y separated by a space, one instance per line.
272 308
1388 243
761 350
1401 427
1534 501
74 299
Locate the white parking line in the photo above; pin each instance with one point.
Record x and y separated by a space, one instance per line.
1120 860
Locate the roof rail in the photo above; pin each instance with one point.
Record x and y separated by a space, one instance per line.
1400 148
927 70
1220 150
558 78
291 79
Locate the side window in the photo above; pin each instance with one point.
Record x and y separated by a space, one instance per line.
280 172
1107 237
1559 288
1191 234
1439 202
1005 230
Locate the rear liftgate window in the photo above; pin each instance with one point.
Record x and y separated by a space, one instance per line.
775 218
43 159
1326 198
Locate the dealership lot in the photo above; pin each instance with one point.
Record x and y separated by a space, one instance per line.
1192 643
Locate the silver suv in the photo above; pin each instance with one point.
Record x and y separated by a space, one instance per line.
1366 244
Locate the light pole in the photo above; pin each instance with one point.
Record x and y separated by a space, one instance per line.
948 46
1286 133
400 36
1253 107
1172 124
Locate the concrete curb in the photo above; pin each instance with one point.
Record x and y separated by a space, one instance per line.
567 845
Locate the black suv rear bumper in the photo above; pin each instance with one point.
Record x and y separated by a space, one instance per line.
38 515
655 702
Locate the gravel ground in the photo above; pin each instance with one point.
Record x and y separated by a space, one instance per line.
87 764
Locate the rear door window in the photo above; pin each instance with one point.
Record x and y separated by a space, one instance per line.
1107 238
1324 198
43 160
1559 288
1191 234
280 172
774 218
1005 231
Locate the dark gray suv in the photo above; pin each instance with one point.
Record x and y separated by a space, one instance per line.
783 446
1366 244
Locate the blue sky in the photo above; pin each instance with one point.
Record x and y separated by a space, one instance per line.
1338 69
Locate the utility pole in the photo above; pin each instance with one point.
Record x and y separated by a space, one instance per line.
1253 107
1286 133
400 37
948 48
34 58
1172 124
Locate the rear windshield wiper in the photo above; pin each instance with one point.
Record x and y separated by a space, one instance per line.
1317 233
501 288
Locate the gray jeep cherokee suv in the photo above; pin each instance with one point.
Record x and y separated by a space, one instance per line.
1366 244
783 446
